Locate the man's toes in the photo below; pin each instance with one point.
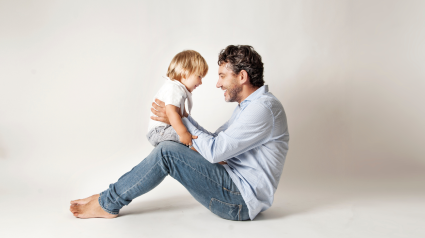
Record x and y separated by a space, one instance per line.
80 201
77 210
75 201
85 200
74 208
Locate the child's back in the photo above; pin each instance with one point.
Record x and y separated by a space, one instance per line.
184 74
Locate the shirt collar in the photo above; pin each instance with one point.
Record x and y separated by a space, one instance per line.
258 93
179 84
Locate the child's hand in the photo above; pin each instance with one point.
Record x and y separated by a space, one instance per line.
186 138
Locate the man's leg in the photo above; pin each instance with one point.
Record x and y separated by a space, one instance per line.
208 183
141 179
89 208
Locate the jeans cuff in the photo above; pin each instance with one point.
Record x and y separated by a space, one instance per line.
101 205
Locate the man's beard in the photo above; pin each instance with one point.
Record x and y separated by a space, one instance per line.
233 93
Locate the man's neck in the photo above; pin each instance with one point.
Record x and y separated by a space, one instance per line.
246 91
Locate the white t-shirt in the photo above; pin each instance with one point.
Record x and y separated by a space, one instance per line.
175 93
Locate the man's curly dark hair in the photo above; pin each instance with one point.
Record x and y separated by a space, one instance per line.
244 57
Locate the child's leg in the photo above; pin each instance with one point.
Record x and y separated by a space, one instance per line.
162 133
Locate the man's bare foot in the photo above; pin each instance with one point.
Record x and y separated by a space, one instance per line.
89 208
84 200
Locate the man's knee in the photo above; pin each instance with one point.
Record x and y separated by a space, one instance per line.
168 146
165 152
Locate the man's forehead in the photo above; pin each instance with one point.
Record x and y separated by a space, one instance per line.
223 68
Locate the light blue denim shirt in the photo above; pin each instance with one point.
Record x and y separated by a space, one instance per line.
254 143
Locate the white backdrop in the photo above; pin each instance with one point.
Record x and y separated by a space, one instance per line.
77 79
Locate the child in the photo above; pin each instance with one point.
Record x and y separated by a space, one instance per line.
184 74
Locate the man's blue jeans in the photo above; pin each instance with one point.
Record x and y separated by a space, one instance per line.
208 183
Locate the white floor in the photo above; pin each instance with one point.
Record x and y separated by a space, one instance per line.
311 208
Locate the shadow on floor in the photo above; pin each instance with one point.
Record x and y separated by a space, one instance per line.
296 198
289 200
161 205
293 199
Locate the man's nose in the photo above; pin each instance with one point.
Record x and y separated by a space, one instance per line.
218 85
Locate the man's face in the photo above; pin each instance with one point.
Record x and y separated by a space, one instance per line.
227 80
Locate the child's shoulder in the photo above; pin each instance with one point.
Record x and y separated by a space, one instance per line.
170 86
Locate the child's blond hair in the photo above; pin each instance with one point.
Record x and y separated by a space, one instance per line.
186 63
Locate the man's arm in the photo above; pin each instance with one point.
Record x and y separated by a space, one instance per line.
252 128
195 124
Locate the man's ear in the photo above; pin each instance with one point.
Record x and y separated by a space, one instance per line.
243 77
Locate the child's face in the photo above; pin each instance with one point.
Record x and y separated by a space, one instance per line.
192 82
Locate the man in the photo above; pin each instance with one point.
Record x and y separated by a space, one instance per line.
237 170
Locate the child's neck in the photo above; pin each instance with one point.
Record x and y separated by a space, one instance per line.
181 81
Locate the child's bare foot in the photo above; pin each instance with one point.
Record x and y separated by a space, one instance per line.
89 208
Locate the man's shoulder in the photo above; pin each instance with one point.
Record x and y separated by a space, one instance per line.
270 101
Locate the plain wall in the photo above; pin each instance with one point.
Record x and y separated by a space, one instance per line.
77 79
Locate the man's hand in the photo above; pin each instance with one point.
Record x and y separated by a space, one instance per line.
158 109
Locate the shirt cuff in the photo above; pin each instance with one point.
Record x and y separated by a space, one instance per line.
190 127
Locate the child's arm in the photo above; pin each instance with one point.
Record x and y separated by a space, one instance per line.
176 122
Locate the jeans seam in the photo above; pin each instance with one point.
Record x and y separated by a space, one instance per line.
106 210
236 193
137 181
228 204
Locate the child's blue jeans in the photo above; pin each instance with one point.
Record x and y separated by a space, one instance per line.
208 183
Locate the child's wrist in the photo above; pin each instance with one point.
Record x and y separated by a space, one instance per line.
183 133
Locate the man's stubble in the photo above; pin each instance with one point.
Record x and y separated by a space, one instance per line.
233 93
